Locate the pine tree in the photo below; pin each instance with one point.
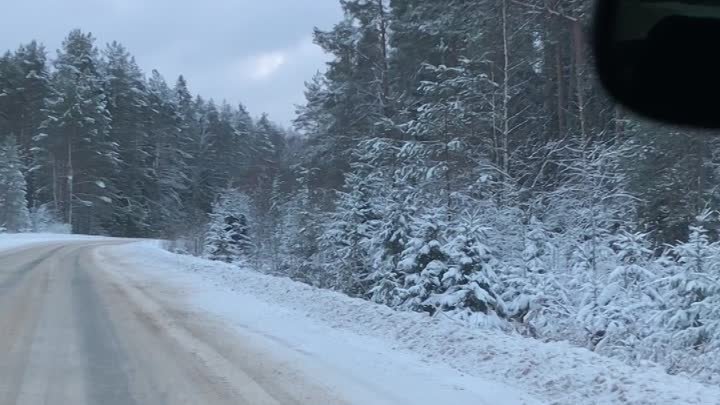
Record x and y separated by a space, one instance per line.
301 234
353 100
10 78
390 240
635 295
346 239
190 141
470 283
14 214
690 321
267 144
531 288
244 130
272 246
75 144
127 105
231 149
423 262
33 89
381 161
169 159
591 266
228 238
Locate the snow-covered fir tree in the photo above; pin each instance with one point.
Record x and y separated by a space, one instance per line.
347 236
470 283
301 235
633 282
531 291
423 262
75 143
228 238
687 324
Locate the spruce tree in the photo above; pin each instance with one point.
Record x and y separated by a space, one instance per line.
75 144
169 160
228 238
347 236
130 130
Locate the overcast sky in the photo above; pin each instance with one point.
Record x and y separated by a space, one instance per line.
258 52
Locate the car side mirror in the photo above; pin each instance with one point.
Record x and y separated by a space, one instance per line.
660 58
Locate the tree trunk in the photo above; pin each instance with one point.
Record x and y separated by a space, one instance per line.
448 175
559 79
385 68
55 196
578 43
506 92
619 124
70 183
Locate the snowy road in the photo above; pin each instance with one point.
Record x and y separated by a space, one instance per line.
73 333
92 321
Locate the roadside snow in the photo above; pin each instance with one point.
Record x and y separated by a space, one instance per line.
401 357
10 241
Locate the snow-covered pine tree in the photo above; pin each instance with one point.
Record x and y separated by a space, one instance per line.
688 324
169 165
386 245
231 148
195 141
592 261
346 238
444 124
130 130
470 283
32 91
75 145
636 295
260 171
423 262
268 250
383 160
203 185
14 214
228 238
244 128
10 100
531 291
301 234
587 210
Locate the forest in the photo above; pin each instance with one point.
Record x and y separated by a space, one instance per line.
454 157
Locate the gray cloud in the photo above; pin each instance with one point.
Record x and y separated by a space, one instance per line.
256 52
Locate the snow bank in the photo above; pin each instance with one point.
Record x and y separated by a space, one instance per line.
555 373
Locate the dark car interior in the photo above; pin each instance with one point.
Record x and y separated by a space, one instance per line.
660 58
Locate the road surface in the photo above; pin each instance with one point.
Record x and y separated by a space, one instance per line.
74 332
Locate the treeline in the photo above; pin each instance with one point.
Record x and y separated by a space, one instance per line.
108 150
457 158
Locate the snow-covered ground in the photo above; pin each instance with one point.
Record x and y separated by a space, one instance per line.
16 240
377 354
